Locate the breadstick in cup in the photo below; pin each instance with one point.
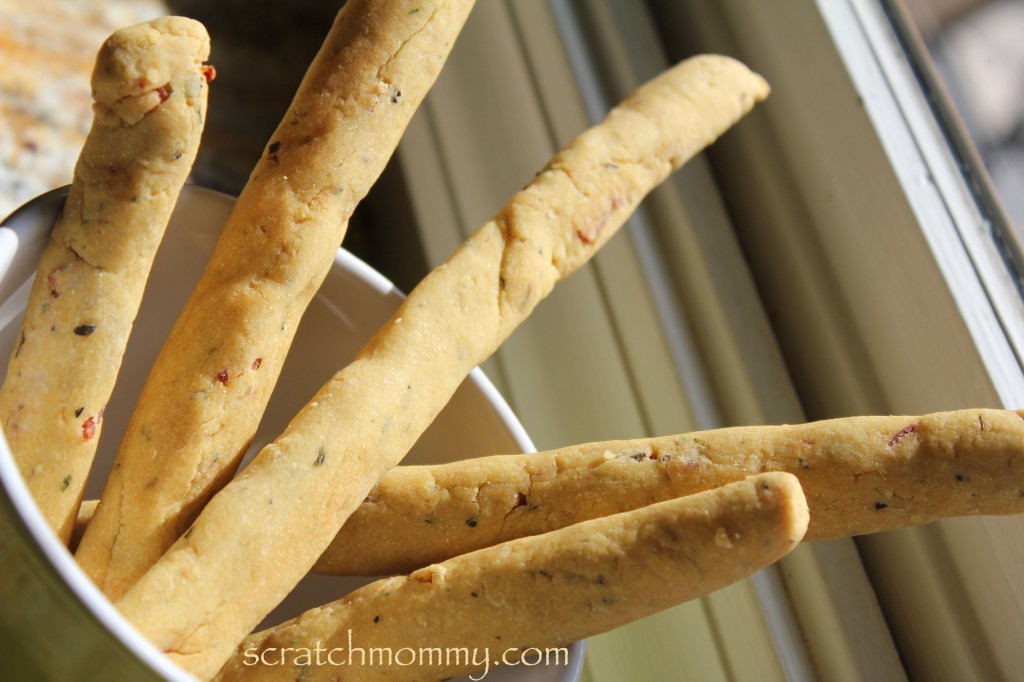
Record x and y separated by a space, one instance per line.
219 365
236 562
150 90
860 475
533 593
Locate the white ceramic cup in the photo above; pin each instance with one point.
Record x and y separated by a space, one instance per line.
54 624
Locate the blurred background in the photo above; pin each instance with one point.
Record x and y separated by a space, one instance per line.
977 49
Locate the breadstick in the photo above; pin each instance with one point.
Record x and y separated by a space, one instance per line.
85 513
210 385
959 463
543 591
213 586
860 475
150 89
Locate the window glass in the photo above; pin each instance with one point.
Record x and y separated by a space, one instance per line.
979 57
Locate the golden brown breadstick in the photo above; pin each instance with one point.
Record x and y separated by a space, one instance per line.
532 593
957 463
210 385
257 537
85 512
150 90
860 475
